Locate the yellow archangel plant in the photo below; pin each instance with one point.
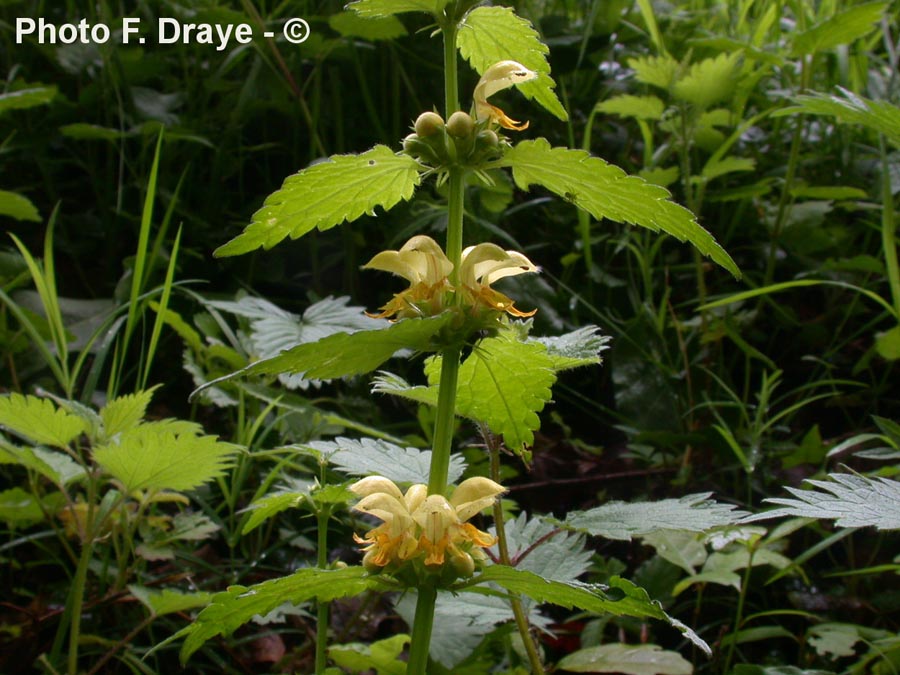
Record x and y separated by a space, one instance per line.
417 526
499 76
422 262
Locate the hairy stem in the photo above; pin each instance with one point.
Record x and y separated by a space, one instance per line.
421 631
322 619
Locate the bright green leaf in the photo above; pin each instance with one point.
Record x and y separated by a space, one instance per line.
374 8
38 420
26 98
353 24
708 81
887 344
307 200
841 29
720 577
637 107
605 191
641 659
168 600
18 207
491 34
274 503
237 605
153 457
720 167
659 71
125 412
381 656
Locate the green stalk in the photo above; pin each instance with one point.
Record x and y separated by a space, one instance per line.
421 631
888 229
322 621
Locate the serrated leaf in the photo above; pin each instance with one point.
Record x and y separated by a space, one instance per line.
491 34
658 71
154 457
841 29
369 456
353 24
18 207
851 501
62 468
340 189
390 7
678 547
879 116
636 107
631 600
125 412
39 421
581 347
623 521
538 546
18 506
380 656
168 600
641 659
606 191
26 98
343 354
237 605
708 81
191 527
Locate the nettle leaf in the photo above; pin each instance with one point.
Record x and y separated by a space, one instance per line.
581 347
631 600
708 81
680 548
879 116
125 412
370 456
841 29
168 601
274 330
491 34
342 188
636 107
55 466
18 207
658 71
623 521
352 24
606 191
154 457
26 98
39 421
288 497
389 7
237 605
346 354
541 547
851 501
641 659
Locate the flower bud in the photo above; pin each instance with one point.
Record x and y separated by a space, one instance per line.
460 124
487 139
428 124
463 564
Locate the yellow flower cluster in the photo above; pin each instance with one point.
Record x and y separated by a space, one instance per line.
417 524
422 262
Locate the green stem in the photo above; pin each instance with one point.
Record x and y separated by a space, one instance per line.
445 423
449 27
888 229
739 613
322 618
421 631
75 603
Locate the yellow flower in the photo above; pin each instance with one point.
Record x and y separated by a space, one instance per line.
499 76
486 263
422 262
417 523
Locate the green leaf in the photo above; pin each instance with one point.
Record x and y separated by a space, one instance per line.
389 7
631 600
880 116
381 656
274 503
18 506
353 24
709 81
678 547
749 669
125 412
658 71
581 347
641 659
168 600
849 500
491 34
621 520
369 456
92 132
538 546
26 98
191 527
18 207
340 189
344 354
39 421
155 457
56 466
605 191
841 29
833 192
720 167
887 344
234 607
637 107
